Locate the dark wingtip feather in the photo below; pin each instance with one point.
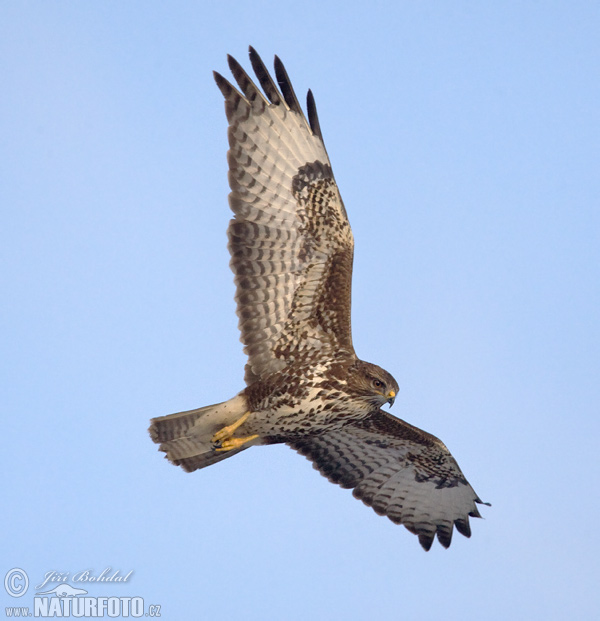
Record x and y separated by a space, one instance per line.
264 77
463 527
233 98
426 540
242 78
444 535
313 117
286 87
224 86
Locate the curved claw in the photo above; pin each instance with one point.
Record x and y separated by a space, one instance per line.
232 443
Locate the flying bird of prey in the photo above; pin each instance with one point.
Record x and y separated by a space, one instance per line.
291 253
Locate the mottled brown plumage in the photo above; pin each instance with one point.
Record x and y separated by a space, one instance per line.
291 254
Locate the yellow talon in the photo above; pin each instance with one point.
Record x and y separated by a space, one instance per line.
229 430
223 440
233 443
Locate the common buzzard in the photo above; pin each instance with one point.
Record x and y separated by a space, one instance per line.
291 252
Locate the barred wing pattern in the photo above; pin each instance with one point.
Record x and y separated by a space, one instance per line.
290 240
400 471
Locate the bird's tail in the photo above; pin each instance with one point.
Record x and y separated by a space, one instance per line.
186 436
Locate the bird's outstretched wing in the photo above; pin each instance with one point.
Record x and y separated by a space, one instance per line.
290 240
400 471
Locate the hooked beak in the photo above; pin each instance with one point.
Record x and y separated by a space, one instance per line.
391 397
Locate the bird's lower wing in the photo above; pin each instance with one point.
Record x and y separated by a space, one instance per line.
400 471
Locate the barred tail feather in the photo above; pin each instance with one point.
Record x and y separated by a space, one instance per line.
185 437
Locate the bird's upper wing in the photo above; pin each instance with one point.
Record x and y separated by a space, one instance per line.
290 240
399 470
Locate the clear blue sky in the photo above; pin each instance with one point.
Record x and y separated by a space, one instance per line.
465 139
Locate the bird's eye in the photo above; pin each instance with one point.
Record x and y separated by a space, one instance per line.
377 383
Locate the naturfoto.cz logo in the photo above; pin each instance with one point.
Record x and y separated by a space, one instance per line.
66 600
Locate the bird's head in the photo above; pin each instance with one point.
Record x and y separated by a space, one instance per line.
373 383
